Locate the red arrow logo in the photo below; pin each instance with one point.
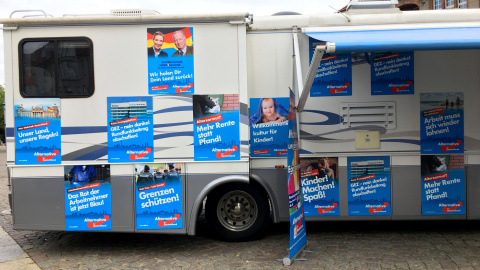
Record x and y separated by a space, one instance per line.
229 152
180 90
279 153
45 158
92 225
451 147
334 91
328 209
162 223
372 210
144 153
447 209
401 88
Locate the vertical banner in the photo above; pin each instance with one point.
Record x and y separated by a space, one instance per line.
158 196
298 233
269 127
320 186
443 185
88 203
369 190
37 131
130 129
392 73
216 127
441 123
170 60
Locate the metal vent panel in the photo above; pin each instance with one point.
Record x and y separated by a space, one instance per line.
366 114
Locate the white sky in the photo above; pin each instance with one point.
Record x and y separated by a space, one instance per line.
256 7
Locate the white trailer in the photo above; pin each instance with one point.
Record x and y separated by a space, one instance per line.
265 57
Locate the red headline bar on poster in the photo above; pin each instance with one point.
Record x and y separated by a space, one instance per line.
34 126
152 186
433 112
123 121
435 177
209 119
266 151
83 187
386 57
361 178
160 87
309 173
331 57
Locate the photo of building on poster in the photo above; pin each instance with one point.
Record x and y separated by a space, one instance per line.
170 60
88 203
216 127
320 186
369 190
158 196
392 73
298 233
37 131
441 123
269 127
443 185
334 75
130 129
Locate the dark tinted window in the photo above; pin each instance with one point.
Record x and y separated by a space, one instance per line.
56 67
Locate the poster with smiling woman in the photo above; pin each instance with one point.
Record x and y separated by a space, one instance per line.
170 60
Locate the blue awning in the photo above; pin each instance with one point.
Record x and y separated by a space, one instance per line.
455 38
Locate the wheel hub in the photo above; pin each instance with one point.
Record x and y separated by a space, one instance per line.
237 210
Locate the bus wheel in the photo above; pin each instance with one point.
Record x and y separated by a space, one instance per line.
237 212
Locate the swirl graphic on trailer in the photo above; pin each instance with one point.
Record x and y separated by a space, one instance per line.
158 191
130 129
216 127
170 60
37 131
88 203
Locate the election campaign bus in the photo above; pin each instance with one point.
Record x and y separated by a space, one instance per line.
136 121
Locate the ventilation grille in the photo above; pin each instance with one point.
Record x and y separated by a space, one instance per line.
132 12
367 114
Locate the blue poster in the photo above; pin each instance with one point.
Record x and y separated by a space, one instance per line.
298 233
130 129
37 131
441 123
369 186
170 60
216 127
88 203
158 196
392 73
334 75
269 127
443 185
320 186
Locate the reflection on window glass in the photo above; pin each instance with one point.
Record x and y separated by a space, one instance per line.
437 4
462 3
57 68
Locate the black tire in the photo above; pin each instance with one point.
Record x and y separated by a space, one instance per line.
237 212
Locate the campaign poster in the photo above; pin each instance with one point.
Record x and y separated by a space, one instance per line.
441 123
88 203
158 196
443 184
268 127
369 192
320 186
392 73
298 234
334 75
130 129
37 131
170 60
216 127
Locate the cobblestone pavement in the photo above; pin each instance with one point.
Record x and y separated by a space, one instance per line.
335 245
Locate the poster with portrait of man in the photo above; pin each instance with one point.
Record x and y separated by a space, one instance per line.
170 60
